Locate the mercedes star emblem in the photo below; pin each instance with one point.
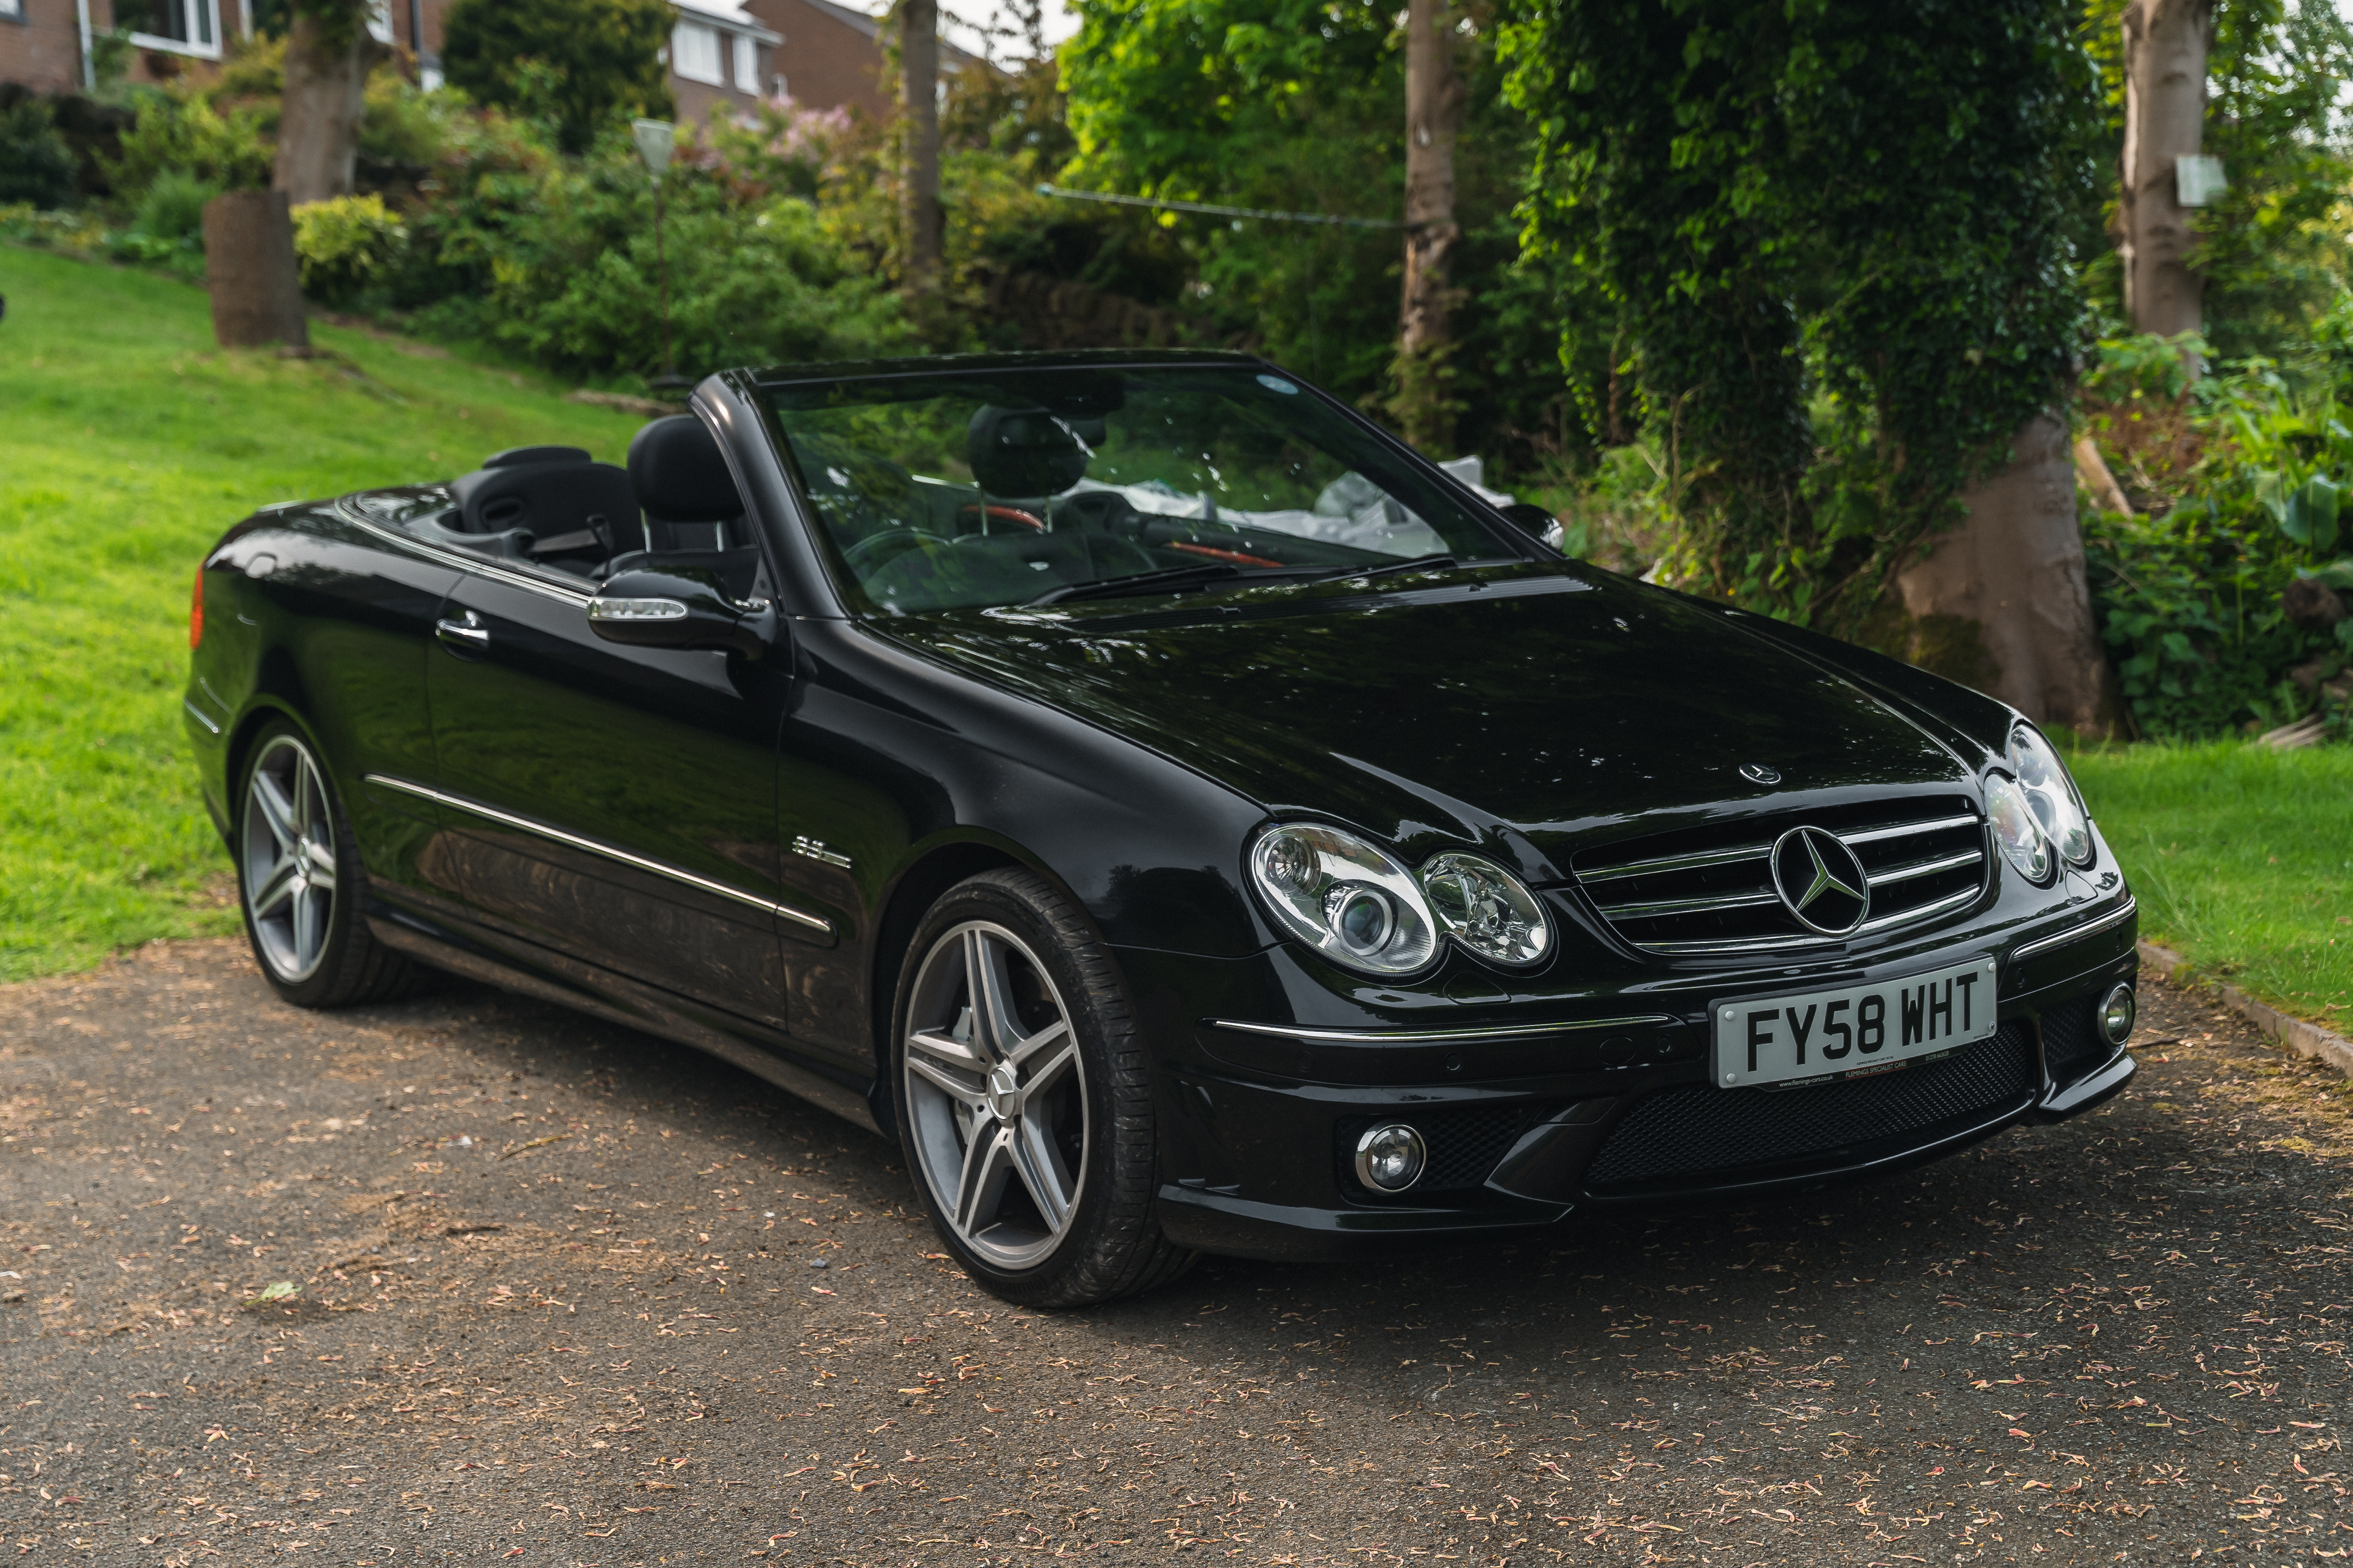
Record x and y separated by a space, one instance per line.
1820 882
1757 772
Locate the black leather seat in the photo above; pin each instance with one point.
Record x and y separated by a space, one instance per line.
551 504
682 481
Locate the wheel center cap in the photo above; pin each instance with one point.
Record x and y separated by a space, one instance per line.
1004 1092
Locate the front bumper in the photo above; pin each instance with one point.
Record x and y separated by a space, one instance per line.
1611 1114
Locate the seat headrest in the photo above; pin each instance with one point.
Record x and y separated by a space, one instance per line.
680 474
519 457
1025 451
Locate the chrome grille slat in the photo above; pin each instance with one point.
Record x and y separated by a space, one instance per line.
1679 863
1688 898
1925 867
1686 906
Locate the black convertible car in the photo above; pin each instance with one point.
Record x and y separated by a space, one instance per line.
1182 817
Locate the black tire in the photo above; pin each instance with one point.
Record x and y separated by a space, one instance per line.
1107 1244
311 957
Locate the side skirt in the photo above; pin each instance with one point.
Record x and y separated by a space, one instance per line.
568 982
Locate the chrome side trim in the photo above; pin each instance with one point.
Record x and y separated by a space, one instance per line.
1678 863
1737 944
1905 829
2116 916
478 566
591 845
199 714
1436 1037
1927 868
1687 906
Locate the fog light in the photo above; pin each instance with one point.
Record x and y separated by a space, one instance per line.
2116 1015
1390 1158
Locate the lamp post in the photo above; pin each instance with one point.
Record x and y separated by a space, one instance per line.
656 140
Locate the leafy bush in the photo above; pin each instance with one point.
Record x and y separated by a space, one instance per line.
174 207
346 245
180 131
576 65
35 166
2234 482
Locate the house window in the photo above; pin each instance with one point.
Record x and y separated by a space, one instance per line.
747 64
694 54
379 22
12 10
182 27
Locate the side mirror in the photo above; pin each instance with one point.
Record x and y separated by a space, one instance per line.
1534 520
680 610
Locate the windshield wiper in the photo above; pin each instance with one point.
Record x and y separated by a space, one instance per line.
1139 583
1418 563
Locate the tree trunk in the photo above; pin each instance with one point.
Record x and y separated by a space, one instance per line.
2164 109
318 133
1433 118
249 270
2002 605
919 75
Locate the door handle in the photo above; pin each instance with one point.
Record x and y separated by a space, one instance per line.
463 637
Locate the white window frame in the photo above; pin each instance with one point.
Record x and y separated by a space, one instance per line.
379 22
747 63
688 64
209 10
12 10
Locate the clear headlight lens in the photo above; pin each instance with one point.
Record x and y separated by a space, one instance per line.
2051 794
1483 907
1344 898
2014 823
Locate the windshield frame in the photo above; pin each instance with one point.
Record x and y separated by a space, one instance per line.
1506 544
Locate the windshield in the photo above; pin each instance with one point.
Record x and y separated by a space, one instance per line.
1006 487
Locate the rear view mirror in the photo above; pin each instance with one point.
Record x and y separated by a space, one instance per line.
1535 521
674 609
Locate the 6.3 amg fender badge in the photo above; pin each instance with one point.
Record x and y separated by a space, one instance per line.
1820 882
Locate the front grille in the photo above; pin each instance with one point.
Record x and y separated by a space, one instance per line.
1464 1144
2073 1043
1680 1136
1709 891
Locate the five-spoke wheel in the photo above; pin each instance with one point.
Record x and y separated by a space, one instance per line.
996 1092
1024 1097
288 860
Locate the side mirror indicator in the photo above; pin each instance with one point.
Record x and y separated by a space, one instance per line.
1534 520
673 609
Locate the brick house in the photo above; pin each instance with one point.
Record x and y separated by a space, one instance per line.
723 53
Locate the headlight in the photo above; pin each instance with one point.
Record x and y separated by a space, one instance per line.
2014 823
2051 794
1344 898
1483 907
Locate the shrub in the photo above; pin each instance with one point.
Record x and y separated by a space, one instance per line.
36 167
2234 482
174 207
345 245
578 65
180 131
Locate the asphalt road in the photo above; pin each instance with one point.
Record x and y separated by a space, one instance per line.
565 1294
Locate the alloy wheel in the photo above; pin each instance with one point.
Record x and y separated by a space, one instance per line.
286 858
996 1095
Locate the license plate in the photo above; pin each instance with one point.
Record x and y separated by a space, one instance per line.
1825 1036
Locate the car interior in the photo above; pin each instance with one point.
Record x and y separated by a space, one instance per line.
674 507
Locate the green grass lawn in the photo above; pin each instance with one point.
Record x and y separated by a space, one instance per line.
2243 859
128 443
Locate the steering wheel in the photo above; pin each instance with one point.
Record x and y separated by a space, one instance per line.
871 554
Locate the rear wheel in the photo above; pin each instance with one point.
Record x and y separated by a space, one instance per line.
1023 1099
299 881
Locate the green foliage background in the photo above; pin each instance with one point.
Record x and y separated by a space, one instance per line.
576 64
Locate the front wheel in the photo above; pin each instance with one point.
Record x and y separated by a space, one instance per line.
1023 1099
299 881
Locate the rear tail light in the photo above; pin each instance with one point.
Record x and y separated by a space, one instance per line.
196 612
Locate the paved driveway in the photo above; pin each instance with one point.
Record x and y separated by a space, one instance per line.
565 1294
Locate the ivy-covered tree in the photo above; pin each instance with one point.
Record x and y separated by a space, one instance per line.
328 53
1834 239
578 65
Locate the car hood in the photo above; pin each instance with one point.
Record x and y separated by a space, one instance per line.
1536 709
